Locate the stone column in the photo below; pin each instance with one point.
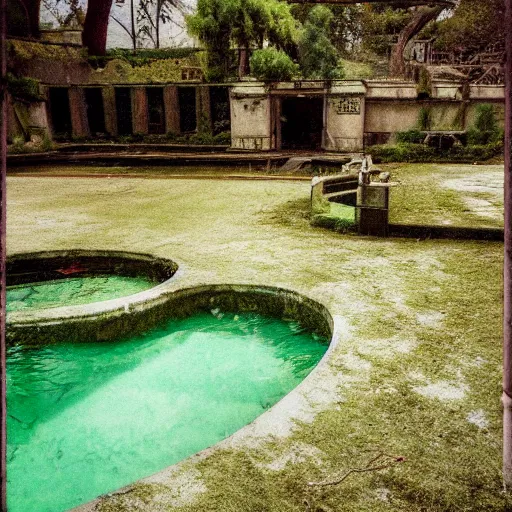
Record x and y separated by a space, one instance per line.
140 110
109 107
78 108
203 110
172 109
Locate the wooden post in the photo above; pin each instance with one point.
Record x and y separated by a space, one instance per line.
203 110
140 116
172 109
78 109
109 108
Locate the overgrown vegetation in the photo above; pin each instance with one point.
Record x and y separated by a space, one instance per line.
23 88
410 152
480 143
142 56
318 57
486 129
474 26
246 23
201 139
273 65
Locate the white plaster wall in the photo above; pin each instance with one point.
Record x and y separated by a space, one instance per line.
391 117
391 90
496 92
446 90
250 123
343 131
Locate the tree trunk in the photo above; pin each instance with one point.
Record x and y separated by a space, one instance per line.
420 18
134 33
32 8
94 35
243 65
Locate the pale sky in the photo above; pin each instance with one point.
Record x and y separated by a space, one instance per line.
173 34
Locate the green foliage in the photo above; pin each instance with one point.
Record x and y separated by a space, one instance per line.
20 146
424 119
412 136
381 25
212 25
473 26
345 27
143 56
408 152
486 129
222 138
317 56
246 23
272 65
23 88
485 118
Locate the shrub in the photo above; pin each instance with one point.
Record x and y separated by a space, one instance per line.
485 130
222 138
424 119
201 139
485 118
23 88
272 65
413 136
407 152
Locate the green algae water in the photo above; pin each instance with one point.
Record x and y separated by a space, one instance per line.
86 419
73 291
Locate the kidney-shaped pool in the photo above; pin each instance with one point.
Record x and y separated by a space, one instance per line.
88 418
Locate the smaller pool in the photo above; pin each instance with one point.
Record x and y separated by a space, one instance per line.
73 291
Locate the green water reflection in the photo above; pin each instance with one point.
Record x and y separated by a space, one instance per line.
86 419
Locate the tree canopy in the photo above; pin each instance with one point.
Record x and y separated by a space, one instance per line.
244 23
317 56
473 27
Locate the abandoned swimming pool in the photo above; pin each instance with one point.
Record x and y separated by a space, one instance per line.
120 411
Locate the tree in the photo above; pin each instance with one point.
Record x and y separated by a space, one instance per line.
473 26
67 13
245 23
212 25
272 64
346 24
153 13
131 30
94 35
421 16
381 26
317 56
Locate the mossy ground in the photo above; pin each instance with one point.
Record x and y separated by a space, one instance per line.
417 371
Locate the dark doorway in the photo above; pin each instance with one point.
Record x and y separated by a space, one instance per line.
95 111
60 112
221 115
124 110
187 99
156 110
302 123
